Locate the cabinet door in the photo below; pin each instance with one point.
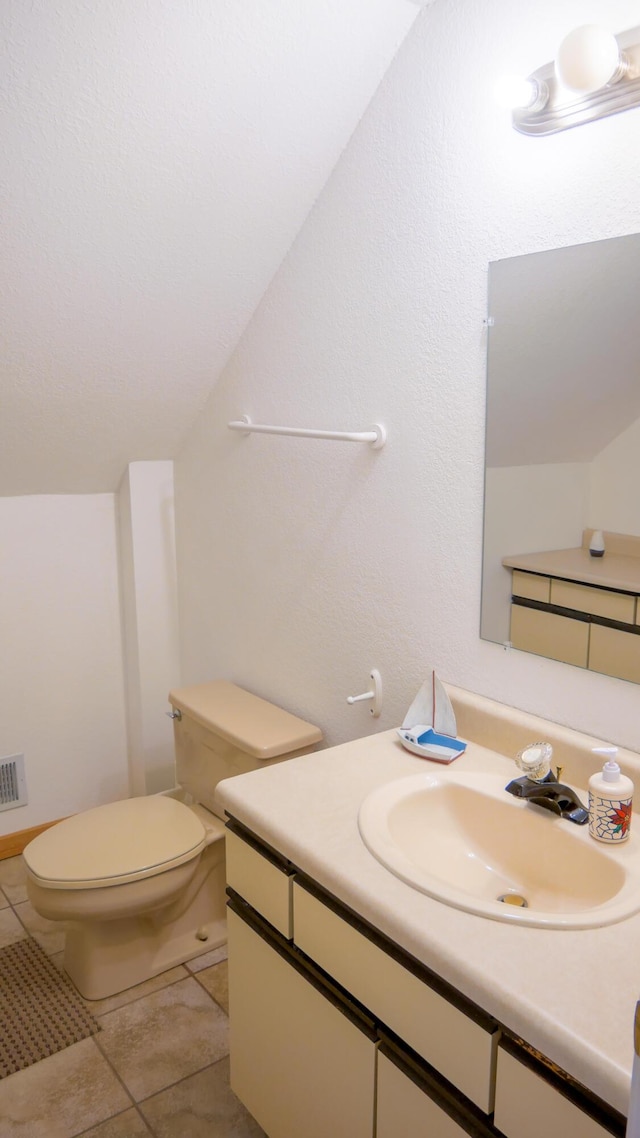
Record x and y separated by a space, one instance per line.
459 1047
260 880
614 652
405 1111
597 602
528 1107
530 585
299 1065
550 635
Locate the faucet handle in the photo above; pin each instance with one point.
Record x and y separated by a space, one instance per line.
534 760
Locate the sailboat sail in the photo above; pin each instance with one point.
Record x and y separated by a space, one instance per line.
432 707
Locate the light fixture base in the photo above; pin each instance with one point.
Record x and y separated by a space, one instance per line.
565 108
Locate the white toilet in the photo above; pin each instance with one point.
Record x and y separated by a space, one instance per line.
142 882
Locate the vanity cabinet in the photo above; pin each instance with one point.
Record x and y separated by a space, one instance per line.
569 606
615 653
595 628
549 634
300 1062
261 877
335 1030
595 602
528 1105
455 1038
405 1109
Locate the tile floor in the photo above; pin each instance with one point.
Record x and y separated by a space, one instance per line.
159 1066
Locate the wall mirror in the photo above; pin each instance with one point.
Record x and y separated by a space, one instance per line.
563 455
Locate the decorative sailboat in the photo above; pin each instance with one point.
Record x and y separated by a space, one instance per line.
429 727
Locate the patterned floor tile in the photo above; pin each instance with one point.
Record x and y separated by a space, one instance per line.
13 879
202 1106
61 1096
127 1125
216 981
164 1037
50 935
10 928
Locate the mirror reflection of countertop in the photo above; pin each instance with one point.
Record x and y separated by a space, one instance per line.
613 571
569 993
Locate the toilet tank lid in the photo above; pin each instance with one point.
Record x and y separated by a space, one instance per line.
252 724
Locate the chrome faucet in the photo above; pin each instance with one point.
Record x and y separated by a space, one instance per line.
543 788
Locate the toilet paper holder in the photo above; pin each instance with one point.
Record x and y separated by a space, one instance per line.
375 694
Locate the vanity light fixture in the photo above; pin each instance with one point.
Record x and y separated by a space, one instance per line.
513 91
595 74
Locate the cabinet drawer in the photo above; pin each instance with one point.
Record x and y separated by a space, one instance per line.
550 635
527 1106
530 585
457 1046
615 652
597 602
405 1111
263 883
299 1065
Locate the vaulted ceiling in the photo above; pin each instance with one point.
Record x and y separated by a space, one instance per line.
159 158
563 352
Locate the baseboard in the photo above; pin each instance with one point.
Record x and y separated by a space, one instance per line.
13 844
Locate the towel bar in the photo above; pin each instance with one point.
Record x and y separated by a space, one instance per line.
376 435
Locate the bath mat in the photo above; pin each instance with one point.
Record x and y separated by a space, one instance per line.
40 1010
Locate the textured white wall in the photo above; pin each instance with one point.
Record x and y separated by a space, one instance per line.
614 483
302 564
61 677
527 508
150 620
158 160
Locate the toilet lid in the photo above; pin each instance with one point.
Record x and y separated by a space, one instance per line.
116 843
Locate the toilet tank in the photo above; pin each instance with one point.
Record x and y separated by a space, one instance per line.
224 730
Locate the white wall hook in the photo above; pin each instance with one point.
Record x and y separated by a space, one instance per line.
375 695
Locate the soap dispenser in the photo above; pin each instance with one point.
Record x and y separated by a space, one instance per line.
610 799
596 545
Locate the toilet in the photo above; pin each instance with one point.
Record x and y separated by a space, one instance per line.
141 883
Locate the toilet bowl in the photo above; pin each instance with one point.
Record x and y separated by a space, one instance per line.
140 883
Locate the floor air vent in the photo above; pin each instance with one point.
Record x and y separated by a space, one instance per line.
13 784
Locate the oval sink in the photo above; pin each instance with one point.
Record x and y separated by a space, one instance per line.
462 839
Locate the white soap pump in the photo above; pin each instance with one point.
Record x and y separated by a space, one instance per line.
610 800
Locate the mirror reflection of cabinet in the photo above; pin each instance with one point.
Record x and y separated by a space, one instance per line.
563 425
580 610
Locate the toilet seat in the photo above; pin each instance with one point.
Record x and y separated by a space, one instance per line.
113 844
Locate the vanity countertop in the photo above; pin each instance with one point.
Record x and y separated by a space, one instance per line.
569 993
613 571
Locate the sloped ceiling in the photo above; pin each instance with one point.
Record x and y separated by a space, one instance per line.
564 352
159 158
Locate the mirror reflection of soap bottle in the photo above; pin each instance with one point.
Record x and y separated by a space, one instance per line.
596 545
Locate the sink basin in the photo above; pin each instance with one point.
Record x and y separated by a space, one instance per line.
459 837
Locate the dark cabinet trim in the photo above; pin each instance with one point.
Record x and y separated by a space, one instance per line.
575 614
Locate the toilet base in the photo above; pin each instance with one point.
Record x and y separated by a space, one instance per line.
106 957
102 960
